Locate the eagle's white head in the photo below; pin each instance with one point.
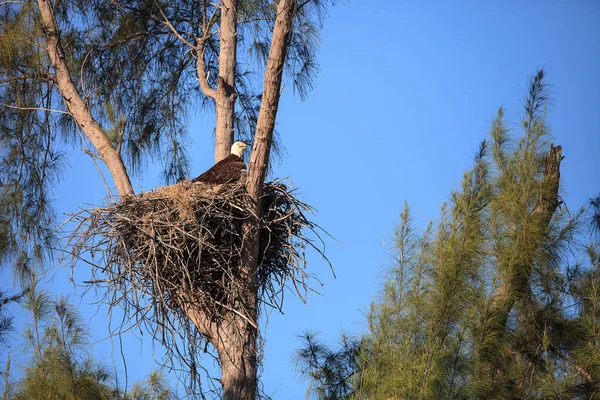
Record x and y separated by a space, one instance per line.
238 148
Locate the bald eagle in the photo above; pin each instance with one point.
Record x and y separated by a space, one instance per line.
227 170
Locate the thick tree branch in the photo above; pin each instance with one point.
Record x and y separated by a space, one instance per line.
225 101
263 138
206 327
76 105
199 49
202 75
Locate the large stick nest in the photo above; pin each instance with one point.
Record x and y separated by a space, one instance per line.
156 253
159 250
185 241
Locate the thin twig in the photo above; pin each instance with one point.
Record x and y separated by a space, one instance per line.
34 108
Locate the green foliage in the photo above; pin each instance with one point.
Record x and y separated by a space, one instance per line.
154 387
595 214
158 90
61 366
29 161
486 303
586 344
332 373
419 325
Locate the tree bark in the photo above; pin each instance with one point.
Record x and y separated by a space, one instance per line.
235 341
259 160
225 95
235 334
237 354
76 105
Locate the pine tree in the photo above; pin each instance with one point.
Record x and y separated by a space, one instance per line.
61 366
486 302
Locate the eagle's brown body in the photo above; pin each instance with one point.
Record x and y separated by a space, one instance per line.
227 170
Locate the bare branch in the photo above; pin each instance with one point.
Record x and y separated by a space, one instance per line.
34 109
94 157
168 23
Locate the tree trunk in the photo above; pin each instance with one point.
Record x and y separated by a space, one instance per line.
237 354
237 351
225 95
76 105
234 337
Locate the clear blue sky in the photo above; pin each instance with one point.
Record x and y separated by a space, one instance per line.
406 91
